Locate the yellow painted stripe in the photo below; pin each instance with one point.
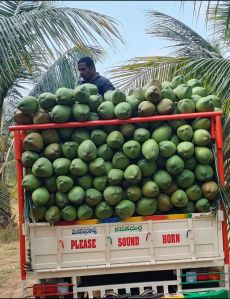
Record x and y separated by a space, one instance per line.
177 216
90 221
133 219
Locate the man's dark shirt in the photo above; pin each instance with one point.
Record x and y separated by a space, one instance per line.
103 84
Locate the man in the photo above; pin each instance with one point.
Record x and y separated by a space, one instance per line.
87 70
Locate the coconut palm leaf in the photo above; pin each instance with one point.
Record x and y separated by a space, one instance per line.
5 209
187 42
3 141
213 72
138 71
11 8
9 149
194 56
45 27
218 12
219 17
205 60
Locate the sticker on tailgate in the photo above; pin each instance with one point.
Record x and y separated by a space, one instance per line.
128 228
84 231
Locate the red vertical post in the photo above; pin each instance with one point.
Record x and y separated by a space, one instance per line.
18 152
220 160
212 127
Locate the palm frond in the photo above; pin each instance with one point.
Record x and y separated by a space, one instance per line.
3 142
11 89
214 72
195 57
6 159
187 42
218 12
138 71
11 8
8 8
219 16
14 94
49 27
221 48
10 173
5 210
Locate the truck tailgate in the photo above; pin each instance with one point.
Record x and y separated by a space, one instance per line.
153 239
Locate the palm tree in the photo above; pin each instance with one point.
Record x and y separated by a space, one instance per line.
217 13
40 44
192 55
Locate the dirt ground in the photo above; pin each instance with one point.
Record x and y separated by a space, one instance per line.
10 283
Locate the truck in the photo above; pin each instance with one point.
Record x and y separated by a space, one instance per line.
172 255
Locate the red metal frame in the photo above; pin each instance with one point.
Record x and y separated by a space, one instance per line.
19 133
115 121
220 163
18 153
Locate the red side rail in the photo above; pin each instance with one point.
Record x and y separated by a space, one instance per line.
110 122
18 153
220 160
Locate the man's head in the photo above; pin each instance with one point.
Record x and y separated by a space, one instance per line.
86 68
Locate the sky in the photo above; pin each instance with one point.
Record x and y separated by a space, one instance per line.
133 23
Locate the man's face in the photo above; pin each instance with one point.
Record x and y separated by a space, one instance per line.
86 73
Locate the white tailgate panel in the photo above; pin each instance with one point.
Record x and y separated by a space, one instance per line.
44 250
205 237
170 240
104 244
129 242
83 249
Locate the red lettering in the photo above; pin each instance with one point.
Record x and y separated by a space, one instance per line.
81 244
177 238
73 244
171 238
93 243
133 241
128 241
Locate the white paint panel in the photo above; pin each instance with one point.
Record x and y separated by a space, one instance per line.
105 245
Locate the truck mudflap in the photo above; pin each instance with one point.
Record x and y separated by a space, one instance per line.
138 240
